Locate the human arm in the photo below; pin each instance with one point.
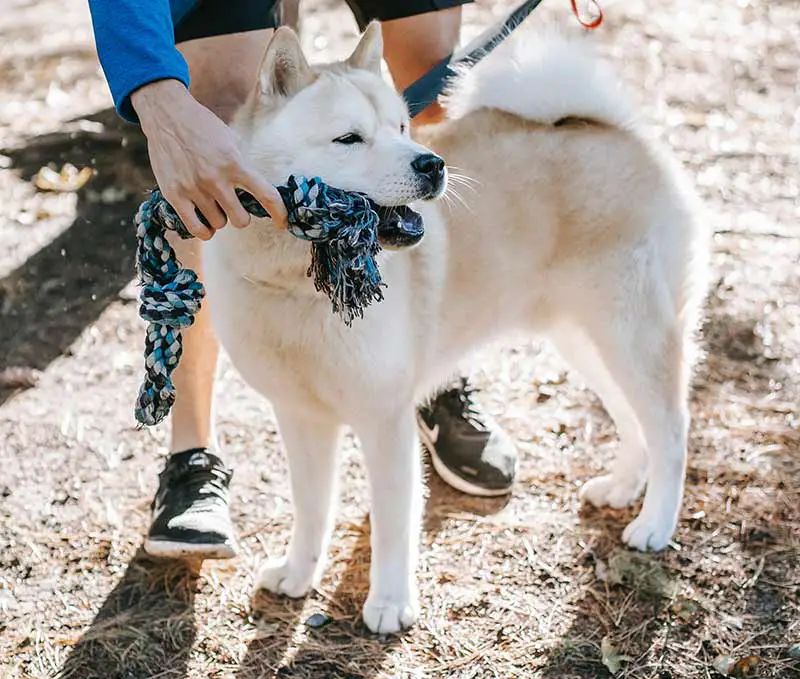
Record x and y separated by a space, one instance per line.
194 155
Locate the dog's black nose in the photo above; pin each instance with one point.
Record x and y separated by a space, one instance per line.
431 167
428 164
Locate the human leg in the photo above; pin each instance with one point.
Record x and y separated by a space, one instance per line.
190 509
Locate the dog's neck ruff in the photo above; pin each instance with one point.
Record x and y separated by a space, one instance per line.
341 226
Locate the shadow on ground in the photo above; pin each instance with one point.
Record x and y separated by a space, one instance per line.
343 648
297 648
145 627
48 301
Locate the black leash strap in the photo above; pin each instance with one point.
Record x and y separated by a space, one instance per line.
427 89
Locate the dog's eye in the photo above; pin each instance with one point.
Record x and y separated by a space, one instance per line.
349 139
402 128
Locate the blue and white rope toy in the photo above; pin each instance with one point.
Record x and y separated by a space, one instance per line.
342 227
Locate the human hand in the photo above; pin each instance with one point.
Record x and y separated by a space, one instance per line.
196 161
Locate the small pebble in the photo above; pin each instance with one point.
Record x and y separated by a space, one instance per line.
318 620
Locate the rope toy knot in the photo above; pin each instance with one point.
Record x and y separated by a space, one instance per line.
341 227
170 297
173 303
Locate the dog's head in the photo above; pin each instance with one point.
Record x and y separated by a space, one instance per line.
340 122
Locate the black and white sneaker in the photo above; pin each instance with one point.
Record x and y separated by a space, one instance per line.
190 509
468 449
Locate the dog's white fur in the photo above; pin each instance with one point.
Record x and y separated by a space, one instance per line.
579 231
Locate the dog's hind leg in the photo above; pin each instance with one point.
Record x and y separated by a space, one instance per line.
633 324
311 450
391 451
625 482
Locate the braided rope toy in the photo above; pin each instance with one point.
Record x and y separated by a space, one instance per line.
342 228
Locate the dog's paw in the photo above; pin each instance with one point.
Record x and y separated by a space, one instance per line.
608 490
281 577
388 617
645 533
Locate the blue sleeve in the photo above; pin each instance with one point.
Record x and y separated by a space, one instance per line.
136 45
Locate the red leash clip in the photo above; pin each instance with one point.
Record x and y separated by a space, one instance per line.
592 23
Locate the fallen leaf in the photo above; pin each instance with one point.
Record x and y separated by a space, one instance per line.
732 621
723 664
68 179
794 651
685 610
611 657
642 572
19 378
744 666
739 669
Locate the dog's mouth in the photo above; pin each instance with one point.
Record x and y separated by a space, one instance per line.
399 227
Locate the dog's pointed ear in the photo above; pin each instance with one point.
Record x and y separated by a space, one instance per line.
369 51
284 68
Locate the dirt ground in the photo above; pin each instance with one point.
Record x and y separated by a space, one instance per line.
533 585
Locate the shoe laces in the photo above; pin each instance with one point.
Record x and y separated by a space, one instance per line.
204 483
460 402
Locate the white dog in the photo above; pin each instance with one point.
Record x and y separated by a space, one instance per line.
579 231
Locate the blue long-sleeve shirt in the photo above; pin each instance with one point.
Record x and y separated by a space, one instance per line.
136 45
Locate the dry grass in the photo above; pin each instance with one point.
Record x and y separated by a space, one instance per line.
529 586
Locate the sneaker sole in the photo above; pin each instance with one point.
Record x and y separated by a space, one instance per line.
165 549
451 478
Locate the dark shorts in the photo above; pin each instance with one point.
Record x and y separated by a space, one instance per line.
222 17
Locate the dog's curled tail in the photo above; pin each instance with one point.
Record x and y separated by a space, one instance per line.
544 76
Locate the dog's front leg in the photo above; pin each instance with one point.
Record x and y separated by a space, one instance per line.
393 462
310 441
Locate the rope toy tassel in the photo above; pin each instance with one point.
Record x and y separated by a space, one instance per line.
342 228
